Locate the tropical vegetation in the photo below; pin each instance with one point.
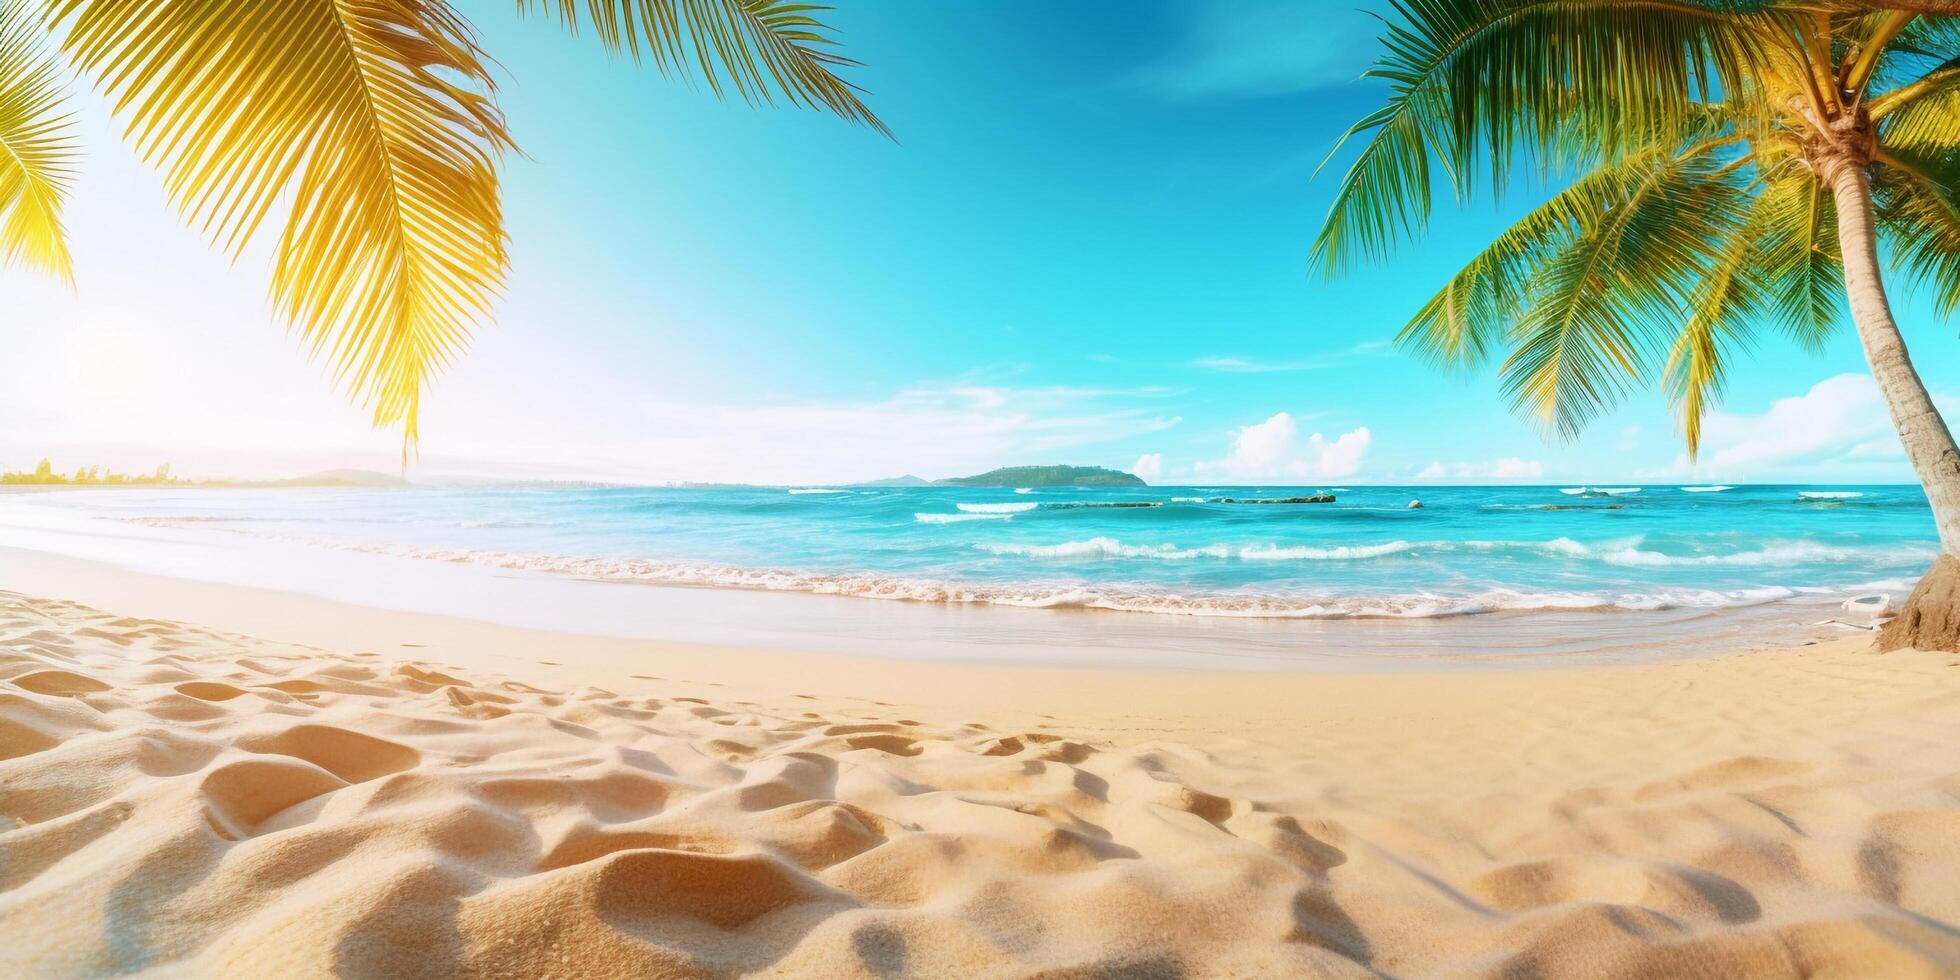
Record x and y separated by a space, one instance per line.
1723 169
43 474
366 136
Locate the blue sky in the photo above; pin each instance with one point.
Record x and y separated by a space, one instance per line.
1088 245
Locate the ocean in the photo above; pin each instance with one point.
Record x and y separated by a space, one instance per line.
1175 551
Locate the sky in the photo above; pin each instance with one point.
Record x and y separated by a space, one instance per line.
1087 245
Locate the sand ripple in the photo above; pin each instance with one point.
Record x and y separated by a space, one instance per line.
178 800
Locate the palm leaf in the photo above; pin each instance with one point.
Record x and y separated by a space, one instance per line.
1473 82
37 147
371 122
1473 314
1603 306
760 48
1917 201
1797 257
1726 304
1922 114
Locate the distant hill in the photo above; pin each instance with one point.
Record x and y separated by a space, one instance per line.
1047 476
908 480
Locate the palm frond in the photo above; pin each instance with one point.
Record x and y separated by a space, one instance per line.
1474 83
1917 202
1602 308
1796 256
1724 308
760 48
37 146
372 121
1473 314
1924 114
1917 46
1920 64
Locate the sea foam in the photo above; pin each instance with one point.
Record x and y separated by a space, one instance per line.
1140 599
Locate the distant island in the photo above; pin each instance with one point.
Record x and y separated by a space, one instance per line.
1047 476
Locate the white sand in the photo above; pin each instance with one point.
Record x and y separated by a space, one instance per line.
507 802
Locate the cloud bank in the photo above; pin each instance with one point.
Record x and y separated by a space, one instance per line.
1273 449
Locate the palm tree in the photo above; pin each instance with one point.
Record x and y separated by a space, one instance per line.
1727 167
371 127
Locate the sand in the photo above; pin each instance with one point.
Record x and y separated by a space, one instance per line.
326 798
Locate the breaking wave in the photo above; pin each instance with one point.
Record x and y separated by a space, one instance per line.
1122 598
959 518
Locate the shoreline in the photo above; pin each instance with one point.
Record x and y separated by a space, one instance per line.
1266 705
912 629
1266 702
301 784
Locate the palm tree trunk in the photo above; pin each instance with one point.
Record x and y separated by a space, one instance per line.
1928 442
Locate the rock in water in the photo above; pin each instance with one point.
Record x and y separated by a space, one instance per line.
1415 505
1930 619
1319 498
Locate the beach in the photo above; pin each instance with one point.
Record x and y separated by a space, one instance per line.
1030 501
206 778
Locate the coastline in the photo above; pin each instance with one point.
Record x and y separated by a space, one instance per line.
726 810
588 597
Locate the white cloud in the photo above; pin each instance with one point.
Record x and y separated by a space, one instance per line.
1148 467
1839 429
1342 457
1274 449
1502 469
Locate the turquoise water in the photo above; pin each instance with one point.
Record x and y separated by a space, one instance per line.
1467 550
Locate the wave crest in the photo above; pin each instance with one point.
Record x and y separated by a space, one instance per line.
959 518
1116 597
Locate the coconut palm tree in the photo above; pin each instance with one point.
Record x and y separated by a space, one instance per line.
367 132
1724 168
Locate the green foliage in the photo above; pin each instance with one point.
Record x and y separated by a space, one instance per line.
763 49
1688 136
37 147
359 141
43 474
